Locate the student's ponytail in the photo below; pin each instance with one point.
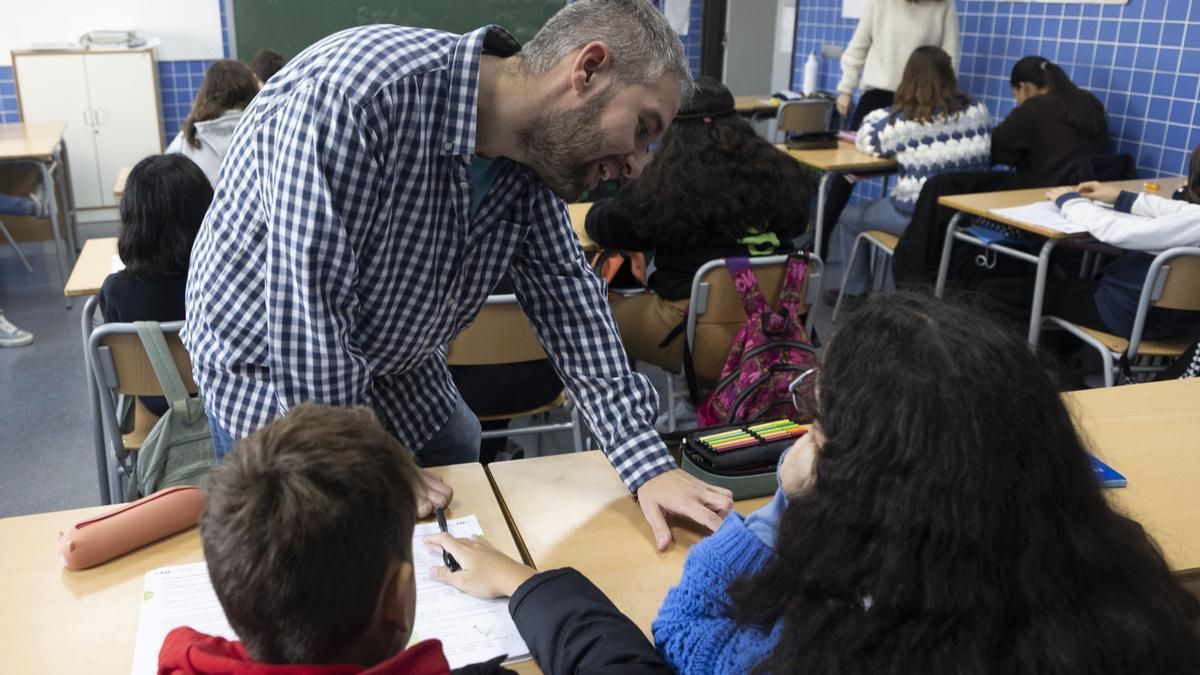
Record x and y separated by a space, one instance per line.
1081 109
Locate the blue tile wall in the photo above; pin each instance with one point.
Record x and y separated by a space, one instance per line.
1141 59
9 112
691 41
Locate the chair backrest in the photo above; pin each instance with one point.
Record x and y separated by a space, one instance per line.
126 369
715 313
1098 167
805 115
500 334
1178 284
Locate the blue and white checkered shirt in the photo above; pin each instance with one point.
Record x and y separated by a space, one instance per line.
339 257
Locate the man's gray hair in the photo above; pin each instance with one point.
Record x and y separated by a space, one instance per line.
642 45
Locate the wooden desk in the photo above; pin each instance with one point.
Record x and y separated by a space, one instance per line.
843 159
982 203
58 621
1150 433
119 184
41 144
754 105
573 510
578 216
92 268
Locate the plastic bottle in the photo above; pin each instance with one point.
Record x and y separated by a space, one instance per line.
811 67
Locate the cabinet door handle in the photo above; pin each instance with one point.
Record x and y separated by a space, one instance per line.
99 116
87 117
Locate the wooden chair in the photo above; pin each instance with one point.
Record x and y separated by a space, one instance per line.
715 313
882 244
501 334
120 367
1172 282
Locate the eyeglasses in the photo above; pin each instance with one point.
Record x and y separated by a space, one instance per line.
804 394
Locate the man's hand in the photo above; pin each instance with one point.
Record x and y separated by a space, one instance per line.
485 573
437 493
680 493
843 104
1098 192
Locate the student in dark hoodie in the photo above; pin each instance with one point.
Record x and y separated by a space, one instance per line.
227 88
308 538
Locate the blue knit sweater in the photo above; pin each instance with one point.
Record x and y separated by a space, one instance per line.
694 631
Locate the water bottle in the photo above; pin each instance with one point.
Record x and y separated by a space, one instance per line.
811 66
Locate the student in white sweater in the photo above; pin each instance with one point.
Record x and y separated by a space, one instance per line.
931 128
874 61
227 88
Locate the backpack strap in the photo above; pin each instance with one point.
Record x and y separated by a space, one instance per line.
159 353
791 294
753 302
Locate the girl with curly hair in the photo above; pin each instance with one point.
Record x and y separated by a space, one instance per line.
713 189
942 517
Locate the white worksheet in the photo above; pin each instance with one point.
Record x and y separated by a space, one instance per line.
1041 213
173 597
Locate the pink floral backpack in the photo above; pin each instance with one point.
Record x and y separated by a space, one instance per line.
770 351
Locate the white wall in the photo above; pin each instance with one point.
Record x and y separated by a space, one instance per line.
187 29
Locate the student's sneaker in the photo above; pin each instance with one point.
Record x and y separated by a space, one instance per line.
11 336
38 197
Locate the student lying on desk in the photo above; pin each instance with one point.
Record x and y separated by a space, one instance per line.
1110 302
943 517
308 537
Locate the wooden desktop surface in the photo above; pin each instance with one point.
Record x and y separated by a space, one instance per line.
578 214
30 140
572 510
842 159
92 267
119 184
982 203
754 104
54 620
1150 433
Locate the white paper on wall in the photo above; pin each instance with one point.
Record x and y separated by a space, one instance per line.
678 14
854 9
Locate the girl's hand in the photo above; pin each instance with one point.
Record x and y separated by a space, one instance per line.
1099 192
485 573
1054 193
796 472
843 104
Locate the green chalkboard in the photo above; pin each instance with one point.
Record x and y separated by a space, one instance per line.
291 25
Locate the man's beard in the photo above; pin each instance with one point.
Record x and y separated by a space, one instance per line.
561 146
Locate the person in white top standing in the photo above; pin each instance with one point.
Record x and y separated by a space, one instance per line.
887 34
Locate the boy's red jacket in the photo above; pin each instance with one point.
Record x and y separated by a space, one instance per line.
188 652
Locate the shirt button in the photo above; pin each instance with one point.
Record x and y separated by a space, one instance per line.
448 146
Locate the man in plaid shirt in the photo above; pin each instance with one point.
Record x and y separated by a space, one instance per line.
381 185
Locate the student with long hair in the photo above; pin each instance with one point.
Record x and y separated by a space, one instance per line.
931 128
1054 126
713 189
1055 122
227 88
941 518
164 203
874 59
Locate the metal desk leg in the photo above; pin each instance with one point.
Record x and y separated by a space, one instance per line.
1039 292
69 200
947 249
60 242
819 223
85 325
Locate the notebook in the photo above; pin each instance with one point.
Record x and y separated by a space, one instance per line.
471 630
1107 475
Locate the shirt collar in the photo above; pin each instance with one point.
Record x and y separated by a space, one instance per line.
458 134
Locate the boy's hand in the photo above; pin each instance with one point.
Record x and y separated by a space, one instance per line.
485 573
843 104
437 493
678 492
1099 192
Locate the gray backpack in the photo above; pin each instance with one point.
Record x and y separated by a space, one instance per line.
179 449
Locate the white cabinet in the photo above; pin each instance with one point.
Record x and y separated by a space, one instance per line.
109 100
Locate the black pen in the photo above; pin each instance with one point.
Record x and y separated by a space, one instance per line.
446 557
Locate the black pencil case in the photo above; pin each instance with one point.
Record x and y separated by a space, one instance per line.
761 457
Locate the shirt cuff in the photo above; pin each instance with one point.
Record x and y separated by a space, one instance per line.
1125 201
1063 199
641 458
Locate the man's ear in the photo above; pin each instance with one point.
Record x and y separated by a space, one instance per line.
395 604
590 66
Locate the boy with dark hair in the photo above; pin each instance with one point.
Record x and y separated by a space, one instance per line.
266 63
308 538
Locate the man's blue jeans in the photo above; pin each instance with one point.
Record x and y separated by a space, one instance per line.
17 206
457 442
